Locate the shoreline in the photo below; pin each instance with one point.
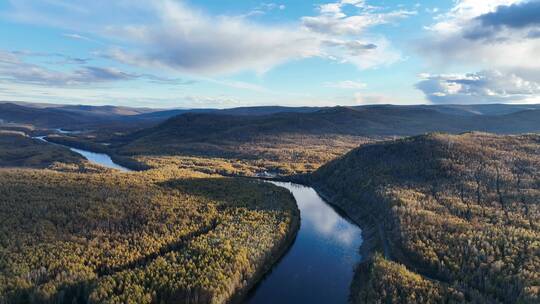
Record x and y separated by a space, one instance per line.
372 240
272 260
241 293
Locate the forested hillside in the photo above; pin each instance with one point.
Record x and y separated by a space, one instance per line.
181 130
278 140
298 142
461 213
19 150
167 236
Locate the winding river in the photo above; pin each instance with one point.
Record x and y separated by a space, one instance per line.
96 158
319 266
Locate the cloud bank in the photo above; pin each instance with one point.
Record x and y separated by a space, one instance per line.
477 88
172 35
496 37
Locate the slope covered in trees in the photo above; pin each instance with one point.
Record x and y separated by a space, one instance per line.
181 132
19 150
288 140
297 142
461 213
161 236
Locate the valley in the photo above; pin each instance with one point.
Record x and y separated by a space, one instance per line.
269 152
170 211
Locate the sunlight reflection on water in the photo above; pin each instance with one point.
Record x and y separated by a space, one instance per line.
319 266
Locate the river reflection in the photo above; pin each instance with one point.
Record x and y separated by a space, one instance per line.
100 159
319 266
96 158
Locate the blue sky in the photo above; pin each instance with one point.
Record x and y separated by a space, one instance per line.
210 53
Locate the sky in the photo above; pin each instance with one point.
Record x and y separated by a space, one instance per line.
231 53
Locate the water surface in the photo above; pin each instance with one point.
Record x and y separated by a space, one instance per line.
319 266
96 158
100 159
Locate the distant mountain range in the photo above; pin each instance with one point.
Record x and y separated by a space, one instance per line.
358 120
212 132
361 121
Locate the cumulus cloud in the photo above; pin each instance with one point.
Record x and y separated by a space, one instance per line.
333 20
517 15
174 35
506 22
482 87
345 36
496 36
186 40
460 35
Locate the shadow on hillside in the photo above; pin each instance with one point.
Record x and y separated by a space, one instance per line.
230 192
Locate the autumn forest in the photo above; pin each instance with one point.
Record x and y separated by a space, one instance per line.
447 204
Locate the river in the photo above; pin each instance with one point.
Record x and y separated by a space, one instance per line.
96 158
319 266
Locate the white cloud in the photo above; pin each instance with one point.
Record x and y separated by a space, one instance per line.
463 12
173 35
346 84
482 87
190 41
333 20
263 9
346 38
493 36
453 39
75 36
14 70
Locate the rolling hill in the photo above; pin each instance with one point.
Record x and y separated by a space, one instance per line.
175 134
150 237
289 142
370 120
454 218
19 150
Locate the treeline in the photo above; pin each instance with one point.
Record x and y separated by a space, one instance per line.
460 212
286 154
161 236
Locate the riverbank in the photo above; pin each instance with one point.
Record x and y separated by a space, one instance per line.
268 263
373 238
273 259
261 262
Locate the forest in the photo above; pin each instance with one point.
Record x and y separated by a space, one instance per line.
456 217
17 149
286 154
446 218
159 236
285 141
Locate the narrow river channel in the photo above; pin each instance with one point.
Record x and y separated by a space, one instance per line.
96 158
319 266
